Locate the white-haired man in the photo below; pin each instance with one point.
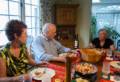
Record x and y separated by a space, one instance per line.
45 47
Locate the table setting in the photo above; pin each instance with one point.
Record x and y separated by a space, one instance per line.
82 68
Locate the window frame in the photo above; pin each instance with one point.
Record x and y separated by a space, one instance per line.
21 15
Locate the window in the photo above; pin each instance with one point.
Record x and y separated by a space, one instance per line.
108 19
13 9
32 16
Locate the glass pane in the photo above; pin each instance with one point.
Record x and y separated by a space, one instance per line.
33 22
29 32
35 10
15 17
33 33
14 8
38 23
118 23
3 21
35 2
104 20
27 10
28 22
5 40
28 1
3 7
16 0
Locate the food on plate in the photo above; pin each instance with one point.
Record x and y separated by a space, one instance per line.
115 64
74 57
81 80
38 73
68 54
42 73
85 68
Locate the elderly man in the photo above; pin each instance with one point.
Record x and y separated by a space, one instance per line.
45 47
102 41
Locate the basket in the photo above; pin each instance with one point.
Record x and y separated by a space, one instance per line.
91 55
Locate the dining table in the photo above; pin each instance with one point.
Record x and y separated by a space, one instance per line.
60 69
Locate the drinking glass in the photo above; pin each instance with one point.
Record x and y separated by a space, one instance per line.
109 53
106 69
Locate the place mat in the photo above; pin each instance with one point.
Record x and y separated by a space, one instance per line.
60 72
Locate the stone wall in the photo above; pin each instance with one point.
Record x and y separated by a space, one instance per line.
46 8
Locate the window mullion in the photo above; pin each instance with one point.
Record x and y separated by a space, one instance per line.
8 10
22 10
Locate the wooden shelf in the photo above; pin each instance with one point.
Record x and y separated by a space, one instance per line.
65 20
65 14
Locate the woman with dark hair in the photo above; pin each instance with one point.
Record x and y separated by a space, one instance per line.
15 60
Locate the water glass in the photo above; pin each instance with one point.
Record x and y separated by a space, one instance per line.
106 69
109 53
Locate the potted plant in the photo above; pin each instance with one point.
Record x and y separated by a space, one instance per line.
93 29
112 33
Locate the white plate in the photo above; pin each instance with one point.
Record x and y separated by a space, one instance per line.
49 73
115 64
112 78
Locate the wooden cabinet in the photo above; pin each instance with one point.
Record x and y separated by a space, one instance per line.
65 14
65 20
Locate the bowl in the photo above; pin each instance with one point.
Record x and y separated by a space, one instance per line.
81 68
91 55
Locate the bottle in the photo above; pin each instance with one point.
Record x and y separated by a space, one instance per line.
59 36
76 42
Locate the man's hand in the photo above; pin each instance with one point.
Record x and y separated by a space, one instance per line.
43 64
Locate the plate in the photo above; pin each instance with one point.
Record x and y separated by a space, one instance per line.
115 64
42 73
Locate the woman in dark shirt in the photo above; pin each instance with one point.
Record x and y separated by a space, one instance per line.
102 41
